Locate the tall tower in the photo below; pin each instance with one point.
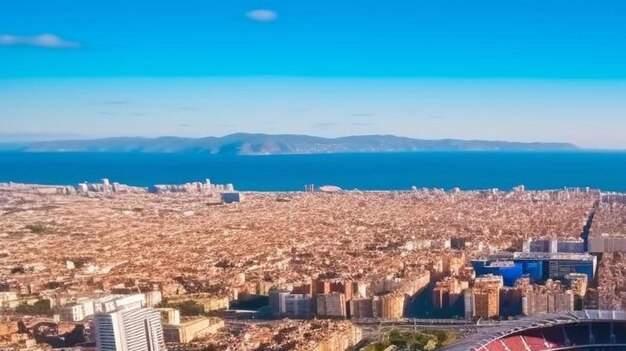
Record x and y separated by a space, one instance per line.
137 329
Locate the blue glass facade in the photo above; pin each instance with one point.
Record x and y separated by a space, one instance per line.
510 272
479 266
538 270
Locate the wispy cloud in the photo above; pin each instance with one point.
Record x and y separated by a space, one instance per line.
47 40
436 117
262 15
113 102
300 109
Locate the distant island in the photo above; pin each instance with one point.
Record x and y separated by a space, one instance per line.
273 144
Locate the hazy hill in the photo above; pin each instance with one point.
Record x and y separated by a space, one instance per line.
262 144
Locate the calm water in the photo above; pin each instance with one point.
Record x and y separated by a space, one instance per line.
467 170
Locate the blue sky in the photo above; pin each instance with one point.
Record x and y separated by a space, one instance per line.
515 70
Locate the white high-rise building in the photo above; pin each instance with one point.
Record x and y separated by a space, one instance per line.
135 329
110 303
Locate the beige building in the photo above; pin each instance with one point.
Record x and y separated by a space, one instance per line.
487 303
153 298
549 298
578 283
391 306
169 315
208 303
190 330
340 340
483 302
8 299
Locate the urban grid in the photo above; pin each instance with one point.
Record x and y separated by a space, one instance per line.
201 266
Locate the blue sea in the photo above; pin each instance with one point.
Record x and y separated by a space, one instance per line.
379 171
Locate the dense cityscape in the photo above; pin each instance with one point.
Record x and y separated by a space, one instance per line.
201 266
405 175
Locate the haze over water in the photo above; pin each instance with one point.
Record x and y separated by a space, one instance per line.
380 171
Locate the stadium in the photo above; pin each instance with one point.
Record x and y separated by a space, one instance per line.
588 330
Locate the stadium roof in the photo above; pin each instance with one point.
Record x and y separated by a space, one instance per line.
485 336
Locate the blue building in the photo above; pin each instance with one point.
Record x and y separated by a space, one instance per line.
538 266
231 197
509 270
534 270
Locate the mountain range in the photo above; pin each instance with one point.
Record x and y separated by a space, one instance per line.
266 144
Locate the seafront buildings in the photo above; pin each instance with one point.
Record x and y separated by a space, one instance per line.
194 264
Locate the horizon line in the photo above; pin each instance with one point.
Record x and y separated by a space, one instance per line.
81 137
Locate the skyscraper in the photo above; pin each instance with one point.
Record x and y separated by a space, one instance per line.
135 329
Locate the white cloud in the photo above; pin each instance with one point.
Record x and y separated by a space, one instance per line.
42 41
262 15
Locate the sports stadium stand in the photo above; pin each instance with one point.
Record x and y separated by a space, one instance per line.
577 330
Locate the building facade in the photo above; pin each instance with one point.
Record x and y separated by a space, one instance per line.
137 329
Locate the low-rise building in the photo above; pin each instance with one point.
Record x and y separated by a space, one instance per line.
188 331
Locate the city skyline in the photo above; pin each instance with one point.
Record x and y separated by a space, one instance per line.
532 72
